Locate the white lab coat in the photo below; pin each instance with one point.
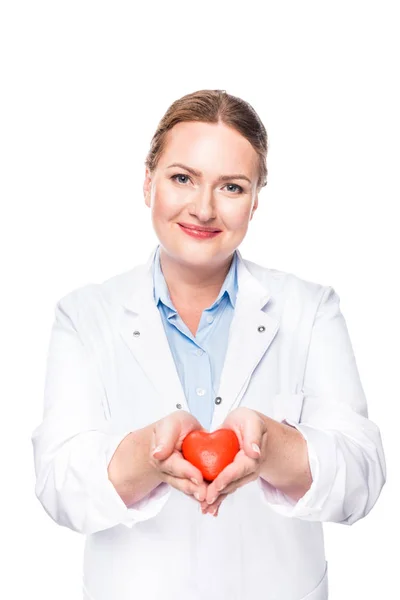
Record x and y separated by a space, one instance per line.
110 371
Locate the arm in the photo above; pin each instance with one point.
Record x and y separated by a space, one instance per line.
158 460
133 480
344 447
287 465
75 443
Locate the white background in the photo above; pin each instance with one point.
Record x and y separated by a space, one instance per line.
84 85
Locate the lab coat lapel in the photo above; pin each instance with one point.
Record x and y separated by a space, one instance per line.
143 331
251 333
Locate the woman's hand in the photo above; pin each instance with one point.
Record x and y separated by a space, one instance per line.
251 431
166 457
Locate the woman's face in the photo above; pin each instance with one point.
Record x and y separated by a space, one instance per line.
194 193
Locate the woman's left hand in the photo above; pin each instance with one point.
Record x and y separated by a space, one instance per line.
251 431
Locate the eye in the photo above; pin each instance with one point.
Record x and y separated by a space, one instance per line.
179 175
238 187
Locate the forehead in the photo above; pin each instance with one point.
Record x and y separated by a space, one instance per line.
207 146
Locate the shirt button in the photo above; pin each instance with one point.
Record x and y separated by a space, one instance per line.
218 400
199 351
179 406
210 319
200 391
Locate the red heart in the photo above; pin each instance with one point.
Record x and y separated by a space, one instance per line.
210 452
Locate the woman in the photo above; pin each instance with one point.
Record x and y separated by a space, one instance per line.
199 338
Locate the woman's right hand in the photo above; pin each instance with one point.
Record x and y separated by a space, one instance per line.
166 457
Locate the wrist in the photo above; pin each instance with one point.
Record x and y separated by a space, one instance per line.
131 470
285 463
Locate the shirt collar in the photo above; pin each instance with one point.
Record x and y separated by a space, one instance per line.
161 289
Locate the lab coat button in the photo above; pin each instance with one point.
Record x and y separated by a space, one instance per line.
136 333
261 328
218 400
179 406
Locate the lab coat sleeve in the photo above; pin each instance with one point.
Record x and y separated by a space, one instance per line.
345 450
74 443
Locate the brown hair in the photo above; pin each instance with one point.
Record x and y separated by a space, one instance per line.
213 106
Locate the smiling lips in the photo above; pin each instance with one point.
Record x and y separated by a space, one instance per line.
199 233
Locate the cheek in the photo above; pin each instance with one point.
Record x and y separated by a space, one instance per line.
236 217
165 203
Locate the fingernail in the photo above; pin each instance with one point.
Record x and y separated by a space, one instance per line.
194 481
197 496
160 447
212 501
256 448
221 488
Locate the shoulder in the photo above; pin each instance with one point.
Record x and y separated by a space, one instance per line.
298 304
286 286
97 300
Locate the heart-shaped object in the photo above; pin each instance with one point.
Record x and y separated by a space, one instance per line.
210 452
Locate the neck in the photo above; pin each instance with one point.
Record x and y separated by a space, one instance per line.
189 283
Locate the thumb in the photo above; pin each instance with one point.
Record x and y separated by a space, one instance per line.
163 439
252 438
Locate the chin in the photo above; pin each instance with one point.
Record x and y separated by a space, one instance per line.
196 254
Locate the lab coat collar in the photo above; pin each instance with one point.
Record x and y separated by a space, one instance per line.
161 292
139 291
251 332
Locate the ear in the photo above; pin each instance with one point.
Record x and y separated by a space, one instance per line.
147 187
255 205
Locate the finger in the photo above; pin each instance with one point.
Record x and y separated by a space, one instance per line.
218 506
169 432
189 424
211 508
184 485
164 437
240 467
232 487
177 466
253 429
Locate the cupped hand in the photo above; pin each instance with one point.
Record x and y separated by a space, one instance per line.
166 457
251 431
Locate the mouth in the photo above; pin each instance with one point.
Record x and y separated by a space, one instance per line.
201 233
199 227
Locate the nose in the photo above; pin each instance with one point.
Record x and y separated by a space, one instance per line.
203 206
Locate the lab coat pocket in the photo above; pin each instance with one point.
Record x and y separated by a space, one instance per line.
321 591
287 406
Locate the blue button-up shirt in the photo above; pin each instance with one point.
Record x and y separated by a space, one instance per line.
198 359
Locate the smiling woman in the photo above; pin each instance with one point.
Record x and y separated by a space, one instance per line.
204 170
198 339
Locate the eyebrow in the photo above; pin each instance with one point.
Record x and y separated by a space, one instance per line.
196 173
